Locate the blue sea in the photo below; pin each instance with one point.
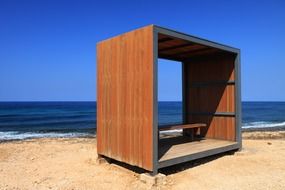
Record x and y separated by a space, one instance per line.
22 120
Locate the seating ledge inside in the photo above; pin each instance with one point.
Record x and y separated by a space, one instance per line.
183 126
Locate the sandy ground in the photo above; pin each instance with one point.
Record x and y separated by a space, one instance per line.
71 164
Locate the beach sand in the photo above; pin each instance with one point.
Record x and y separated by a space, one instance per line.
70 163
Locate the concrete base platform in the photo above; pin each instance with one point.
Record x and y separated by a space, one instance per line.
102 160
158 179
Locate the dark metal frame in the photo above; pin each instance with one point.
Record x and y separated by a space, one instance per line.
155 132
192 39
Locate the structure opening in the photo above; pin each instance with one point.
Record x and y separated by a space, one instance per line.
207 86
169 92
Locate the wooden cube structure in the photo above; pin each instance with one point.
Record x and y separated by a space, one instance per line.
127 102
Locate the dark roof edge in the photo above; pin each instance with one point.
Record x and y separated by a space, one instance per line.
195 39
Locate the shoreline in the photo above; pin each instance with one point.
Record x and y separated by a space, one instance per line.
262 134
38 138
266 129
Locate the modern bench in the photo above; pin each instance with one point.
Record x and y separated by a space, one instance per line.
183 126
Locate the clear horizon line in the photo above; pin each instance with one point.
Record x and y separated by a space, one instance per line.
96 101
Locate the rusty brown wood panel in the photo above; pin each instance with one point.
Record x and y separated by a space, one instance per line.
218 127
125 97
207 93
219 67
215 98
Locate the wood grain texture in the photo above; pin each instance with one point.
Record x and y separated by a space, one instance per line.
125 97
185 126
177 49
213 97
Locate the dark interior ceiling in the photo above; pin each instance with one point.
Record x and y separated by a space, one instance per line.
180 50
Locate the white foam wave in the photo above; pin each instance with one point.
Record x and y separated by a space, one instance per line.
263 124
254 125
171 131
14 135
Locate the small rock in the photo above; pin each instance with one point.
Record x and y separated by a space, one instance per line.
269 143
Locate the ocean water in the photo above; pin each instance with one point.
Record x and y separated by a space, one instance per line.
21 120
263 115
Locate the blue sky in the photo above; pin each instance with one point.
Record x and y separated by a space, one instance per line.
47 48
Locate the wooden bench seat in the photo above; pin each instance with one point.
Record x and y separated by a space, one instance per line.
183 126
190 132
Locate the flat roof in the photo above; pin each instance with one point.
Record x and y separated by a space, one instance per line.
195 39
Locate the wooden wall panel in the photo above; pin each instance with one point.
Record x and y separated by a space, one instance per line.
213 98
217 127
125 97
218 67
209 91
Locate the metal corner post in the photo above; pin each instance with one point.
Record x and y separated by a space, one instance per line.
238 100
155 103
